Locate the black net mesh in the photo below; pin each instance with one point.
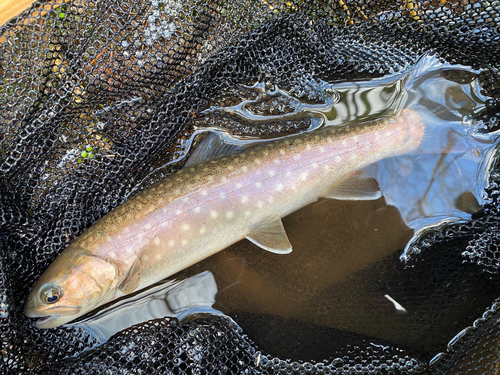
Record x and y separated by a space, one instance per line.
98 99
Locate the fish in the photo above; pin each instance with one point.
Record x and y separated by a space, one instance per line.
206 207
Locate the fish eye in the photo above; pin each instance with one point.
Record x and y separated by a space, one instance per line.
50 293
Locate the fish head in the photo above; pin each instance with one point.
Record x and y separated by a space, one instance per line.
74 284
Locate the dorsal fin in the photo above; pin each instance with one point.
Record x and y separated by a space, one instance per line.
213 147
270 235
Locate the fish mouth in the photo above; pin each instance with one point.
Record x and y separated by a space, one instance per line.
46 321
54 320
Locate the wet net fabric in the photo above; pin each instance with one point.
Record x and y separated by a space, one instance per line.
98 100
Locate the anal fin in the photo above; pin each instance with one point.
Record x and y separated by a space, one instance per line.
354 188
270 235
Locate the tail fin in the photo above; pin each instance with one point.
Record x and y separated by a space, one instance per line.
444 95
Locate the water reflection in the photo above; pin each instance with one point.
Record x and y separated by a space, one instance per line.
172 298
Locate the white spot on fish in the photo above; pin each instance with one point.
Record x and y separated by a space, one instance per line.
260 204
329 139
257 161
185 227
244 199
326 167
222 195
279 187
282 152
204 193
296 157
248 213
171 243
270 199
276 161
244 168
178 211
344 142
197 209
315 165
109 239
288 173
303 176
224 179
308 147
184 242
322 149
258 184
185 199
239 185
272 173
230 215
214 214
157 241
230 167
203 229
338 158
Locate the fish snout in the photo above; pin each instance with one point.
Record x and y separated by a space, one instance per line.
30 309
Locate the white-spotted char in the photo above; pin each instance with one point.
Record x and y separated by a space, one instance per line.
205 208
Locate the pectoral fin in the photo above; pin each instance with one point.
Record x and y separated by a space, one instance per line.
355 188
132 278
271 236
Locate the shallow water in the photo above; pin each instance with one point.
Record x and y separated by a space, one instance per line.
345 272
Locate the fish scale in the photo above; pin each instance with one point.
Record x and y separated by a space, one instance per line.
207 207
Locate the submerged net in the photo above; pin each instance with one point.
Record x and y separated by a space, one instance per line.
98 101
